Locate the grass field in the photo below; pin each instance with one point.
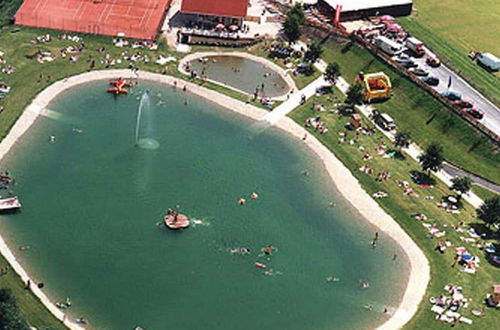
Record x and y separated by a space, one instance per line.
7 9
422 115
453 28
30 307
401 207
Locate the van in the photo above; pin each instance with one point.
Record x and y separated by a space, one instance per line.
416 46
490 61
388 46
385 121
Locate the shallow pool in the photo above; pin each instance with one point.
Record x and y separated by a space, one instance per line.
243 74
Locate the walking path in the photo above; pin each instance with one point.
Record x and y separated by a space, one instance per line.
294 101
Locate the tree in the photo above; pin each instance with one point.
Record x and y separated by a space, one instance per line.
291 29
461 184
355 94
402 139
489 212
314 51
432 159
9 312
298 11
332 72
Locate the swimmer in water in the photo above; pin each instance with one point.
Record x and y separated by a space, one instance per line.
254 195
364 284
52 139
332 279
305 172
241 201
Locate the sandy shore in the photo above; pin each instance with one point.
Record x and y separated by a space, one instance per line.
341 177
286 77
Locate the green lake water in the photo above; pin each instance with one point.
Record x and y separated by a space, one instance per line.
251 75
92 202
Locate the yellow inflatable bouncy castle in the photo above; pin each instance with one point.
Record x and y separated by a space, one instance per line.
377 86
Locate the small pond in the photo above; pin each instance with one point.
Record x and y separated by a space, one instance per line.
243 74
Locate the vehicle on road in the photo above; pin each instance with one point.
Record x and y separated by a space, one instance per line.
433 61
419 72
462 104
416 46
388 46
453 96
490 61
408 64
385 121
433 81
474 112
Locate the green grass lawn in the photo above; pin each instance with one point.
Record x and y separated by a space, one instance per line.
401 207
30 307
483 193
7 9
453 28
416 111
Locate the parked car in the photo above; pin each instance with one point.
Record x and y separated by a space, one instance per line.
416 46
402 58
388 46
474 112
433 81
385 121
419 72
490 61
409 64
462 104
452 96
433 61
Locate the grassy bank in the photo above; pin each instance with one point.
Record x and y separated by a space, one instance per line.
419 113
30 307
453 29
401 207
7 10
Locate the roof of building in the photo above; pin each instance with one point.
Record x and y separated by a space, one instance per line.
354 5
230 8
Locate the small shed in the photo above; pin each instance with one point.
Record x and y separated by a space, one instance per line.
355 120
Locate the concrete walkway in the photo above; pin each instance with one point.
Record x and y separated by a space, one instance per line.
294 101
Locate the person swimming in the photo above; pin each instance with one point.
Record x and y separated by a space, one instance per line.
268 250
364 284
254 195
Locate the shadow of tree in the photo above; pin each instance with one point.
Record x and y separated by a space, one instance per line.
421 178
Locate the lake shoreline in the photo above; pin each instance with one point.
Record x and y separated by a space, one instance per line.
341 177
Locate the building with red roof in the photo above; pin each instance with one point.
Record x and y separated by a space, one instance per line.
210 13
220 8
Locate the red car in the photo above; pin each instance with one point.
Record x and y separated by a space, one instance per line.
433 61
462 104
474 112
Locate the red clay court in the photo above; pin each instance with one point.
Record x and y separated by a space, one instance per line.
139 19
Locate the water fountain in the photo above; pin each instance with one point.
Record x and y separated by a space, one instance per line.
144 130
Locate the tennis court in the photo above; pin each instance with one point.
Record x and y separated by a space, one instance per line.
141 19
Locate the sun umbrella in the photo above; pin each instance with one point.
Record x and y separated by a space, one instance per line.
466 256
233 27
452 199
387 18
394 27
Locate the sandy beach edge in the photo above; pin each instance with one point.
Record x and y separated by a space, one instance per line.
273 66
341 177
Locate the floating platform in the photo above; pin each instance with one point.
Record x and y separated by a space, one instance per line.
9 204
176 221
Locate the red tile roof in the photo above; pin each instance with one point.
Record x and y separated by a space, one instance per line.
231 8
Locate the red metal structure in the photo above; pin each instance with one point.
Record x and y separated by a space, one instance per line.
139 19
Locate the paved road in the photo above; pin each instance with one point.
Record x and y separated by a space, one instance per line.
491 117
455 171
